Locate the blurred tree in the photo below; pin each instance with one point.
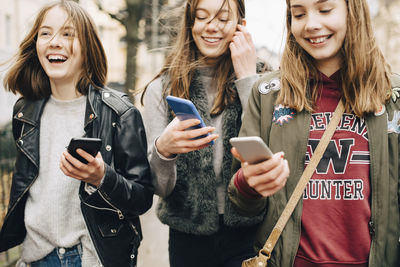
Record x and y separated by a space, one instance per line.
7 149
387 31
130 18
143 22
161 22
388 2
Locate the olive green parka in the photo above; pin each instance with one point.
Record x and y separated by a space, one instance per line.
292 139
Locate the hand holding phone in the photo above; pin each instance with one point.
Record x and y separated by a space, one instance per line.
90 145
251 148
271 172
184 109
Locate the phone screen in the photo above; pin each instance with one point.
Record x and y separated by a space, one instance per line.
90 145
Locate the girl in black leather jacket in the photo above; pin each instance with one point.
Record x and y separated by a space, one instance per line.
62 210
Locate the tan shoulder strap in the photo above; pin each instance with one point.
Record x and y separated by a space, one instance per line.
266 251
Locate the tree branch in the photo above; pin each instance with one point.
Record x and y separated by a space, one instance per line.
120 16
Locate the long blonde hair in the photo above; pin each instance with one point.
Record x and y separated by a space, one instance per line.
183 60
364 72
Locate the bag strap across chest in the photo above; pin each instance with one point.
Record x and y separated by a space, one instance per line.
265 253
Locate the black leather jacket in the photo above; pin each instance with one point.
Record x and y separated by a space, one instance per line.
112 212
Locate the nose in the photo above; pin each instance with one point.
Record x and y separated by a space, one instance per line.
213 25
55 41
312 22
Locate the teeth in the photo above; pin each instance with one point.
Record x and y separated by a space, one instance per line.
57 57
318 40
212 40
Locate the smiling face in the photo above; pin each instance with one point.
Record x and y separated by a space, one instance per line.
58 48
319 27
214 26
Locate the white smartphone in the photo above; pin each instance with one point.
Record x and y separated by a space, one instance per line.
251 148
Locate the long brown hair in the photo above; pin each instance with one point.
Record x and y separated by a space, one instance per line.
183 60
364 72
27 77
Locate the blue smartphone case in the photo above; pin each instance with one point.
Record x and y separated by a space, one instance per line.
184 109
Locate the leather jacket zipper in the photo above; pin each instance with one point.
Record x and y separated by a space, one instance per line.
94 207
120 214
134 229
136 246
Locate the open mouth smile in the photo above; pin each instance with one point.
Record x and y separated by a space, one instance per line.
318 40
211 39
56 58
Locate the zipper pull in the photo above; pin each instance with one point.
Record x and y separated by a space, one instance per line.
120 215
135 230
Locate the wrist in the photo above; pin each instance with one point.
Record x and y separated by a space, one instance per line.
243 187
160 149
246 74
99 183
100 179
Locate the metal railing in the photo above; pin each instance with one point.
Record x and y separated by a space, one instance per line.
7 160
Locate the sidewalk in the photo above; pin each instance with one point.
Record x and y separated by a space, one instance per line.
153 250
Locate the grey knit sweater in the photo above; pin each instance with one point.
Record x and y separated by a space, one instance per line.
53 217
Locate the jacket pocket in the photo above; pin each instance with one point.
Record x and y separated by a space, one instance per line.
111 229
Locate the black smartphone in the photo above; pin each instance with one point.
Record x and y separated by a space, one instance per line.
90 145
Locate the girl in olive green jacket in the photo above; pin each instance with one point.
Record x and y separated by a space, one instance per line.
349 213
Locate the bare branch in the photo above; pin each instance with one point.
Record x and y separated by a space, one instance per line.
120 16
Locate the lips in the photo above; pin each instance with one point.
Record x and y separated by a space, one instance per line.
211 39
318 40
56 58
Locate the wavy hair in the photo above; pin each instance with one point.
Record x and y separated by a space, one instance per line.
364 72
184 59
27 77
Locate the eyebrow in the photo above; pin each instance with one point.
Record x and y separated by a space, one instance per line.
318 2
220 11
63 28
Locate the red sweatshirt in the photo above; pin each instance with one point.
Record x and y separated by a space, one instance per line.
336 207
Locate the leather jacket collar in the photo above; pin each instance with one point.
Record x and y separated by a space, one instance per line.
31 112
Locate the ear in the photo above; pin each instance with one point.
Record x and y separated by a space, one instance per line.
243 22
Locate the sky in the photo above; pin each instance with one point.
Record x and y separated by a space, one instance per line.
266 22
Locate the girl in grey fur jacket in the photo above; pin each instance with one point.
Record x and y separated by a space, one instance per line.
213 64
